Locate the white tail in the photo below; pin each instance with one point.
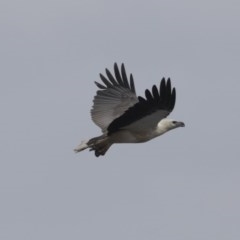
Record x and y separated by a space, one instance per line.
83 145
99 145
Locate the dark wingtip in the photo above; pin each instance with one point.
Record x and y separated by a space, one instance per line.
100 85
115 66
132 85
169 83
148 95
118 78
162 88
155 93
173 99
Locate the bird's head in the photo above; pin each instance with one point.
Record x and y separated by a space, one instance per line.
168 124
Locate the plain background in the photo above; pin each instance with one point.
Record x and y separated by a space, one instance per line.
183 185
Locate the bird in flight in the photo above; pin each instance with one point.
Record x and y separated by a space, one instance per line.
126 118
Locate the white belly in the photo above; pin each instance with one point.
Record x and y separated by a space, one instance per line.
125 136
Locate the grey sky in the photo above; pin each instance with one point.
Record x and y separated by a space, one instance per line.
183 185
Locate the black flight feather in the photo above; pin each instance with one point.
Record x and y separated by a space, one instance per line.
120 79
155 101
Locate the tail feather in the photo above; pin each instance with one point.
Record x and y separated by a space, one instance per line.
83 145
98 144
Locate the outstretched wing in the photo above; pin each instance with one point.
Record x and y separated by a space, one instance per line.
115 96
146 113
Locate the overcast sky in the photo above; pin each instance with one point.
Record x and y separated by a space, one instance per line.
183 185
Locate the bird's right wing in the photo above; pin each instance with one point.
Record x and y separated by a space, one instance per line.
146 113
114 98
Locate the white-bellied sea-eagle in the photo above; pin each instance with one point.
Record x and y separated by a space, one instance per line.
126 118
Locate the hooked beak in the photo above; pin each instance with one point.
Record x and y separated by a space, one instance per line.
180 124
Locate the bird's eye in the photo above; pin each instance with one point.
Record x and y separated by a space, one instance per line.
174 122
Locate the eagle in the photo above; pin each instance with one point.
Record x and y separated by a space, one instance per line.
125 117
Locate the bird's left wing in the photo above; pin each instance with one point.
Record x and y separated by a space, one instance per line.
114 97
